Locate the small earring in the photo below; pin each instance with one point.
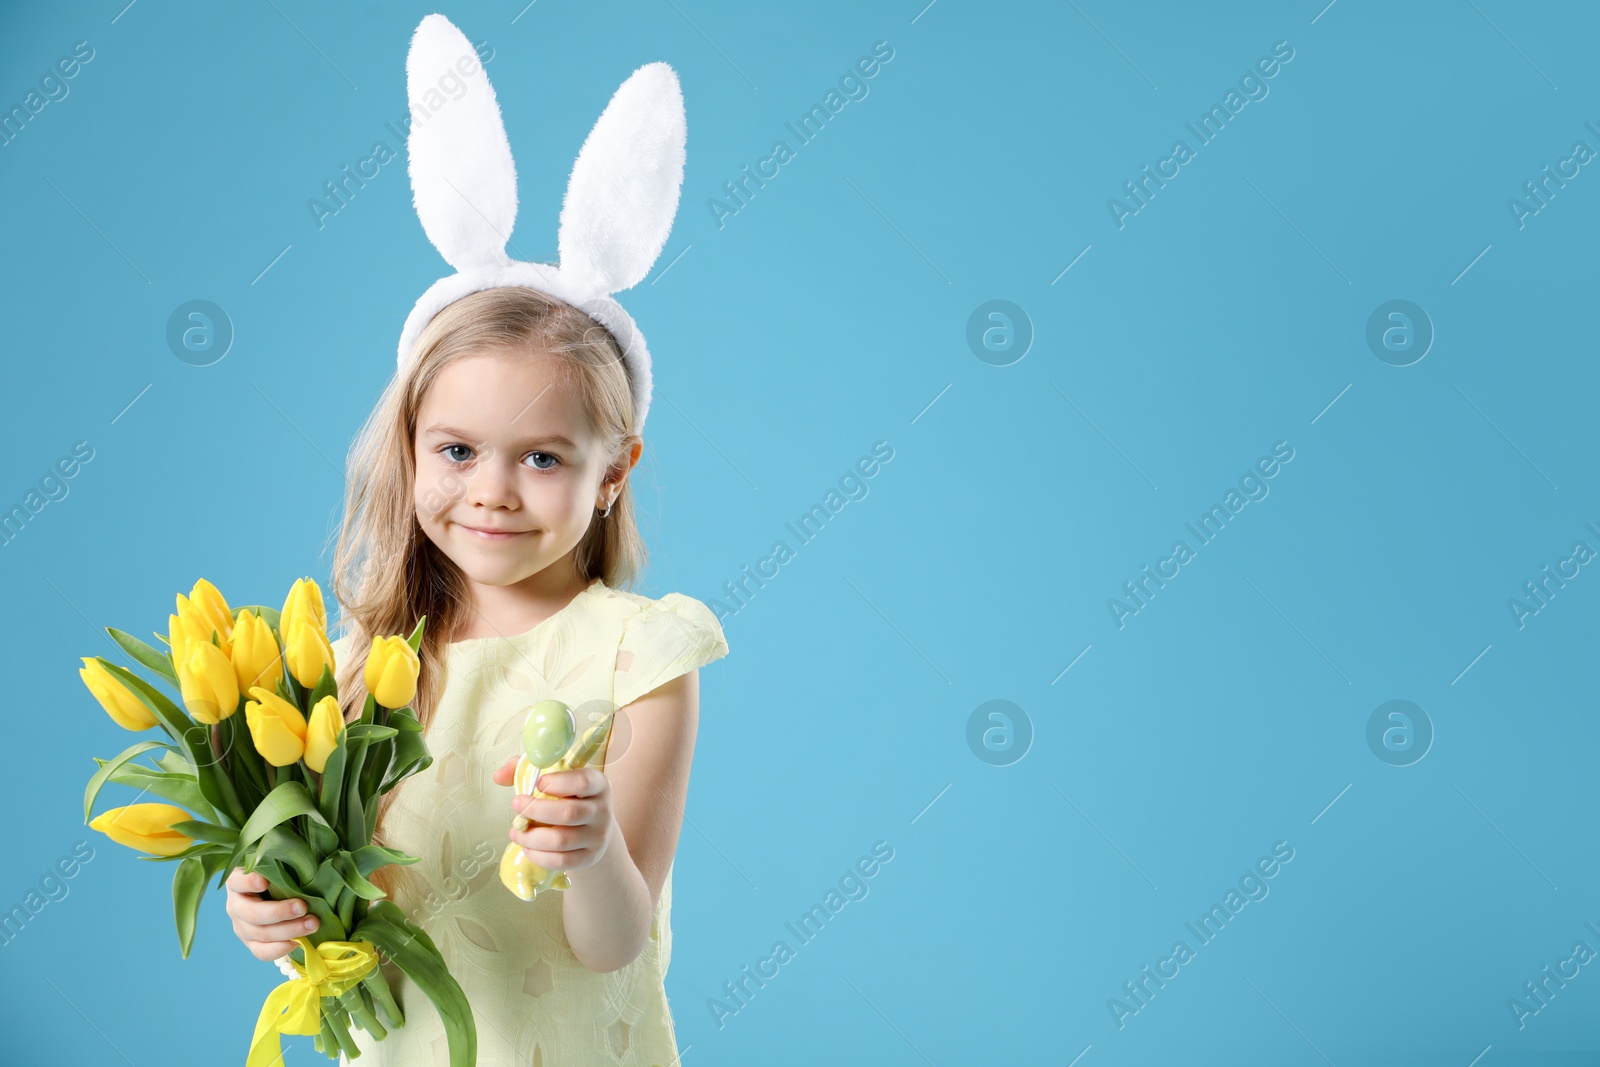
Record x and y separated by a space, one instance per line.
606 512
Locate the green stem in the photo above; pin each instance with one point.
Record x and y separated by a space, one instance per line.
378 986
357 1007
336 1020
325 1042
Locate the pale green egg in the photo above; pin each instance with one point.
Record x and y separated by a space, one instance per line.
548 732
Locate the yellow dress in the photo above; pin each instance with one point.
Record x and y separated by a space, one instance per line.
535 1005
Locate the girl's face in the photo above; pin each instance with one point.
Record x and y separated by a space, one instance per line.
509 474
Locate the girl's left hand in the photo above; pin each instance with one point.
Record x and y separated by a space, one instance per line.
573 827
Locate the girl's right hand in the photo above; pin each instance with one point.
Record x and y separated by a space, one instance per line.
267 927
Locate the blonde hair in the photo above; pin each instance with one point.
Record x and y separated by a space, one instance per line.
386 573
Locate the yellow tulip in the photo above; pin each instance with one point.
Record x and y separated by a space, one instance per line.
305 599
196 624
146 827
391 672
207 601
208 683
189 626
306 650
276 726
256 659
322 733
116 698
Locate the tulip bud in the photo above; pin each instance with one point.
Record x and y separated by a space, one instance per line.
146 827
391 672
189 626
256 659
118 700
306 650
195 625
208 683
322 732
305 599
207 601
276 726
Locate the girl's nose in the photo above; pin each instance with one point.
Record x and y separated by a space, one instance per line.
490 485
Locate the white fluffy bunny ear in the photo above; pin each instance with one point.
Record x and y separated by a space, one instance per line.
623 192
463 181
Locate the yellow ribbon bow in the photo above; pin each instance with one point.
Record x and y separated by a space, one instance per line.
295 1007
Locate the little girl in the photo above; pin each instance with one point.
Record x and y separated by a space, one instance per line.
489 492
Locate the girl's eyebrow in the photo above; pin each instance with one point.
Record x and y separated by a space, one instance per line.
542 439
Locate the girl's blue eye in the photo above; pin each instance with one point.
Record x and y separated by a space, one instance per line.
450 453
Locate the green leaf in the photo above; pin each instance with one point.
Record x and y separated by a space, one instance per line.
193 737
187 887
204 831
415 640
282 884
333 779
355 814
155 659
323 839
271 615
328 881
283 844
215 862
354 879
326 686
415 953
107 767
279 806
370 857
174 762
244 761
199 848
181 789
411 754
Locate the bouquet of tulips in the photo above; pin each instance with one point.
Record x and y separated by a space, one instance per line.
288 790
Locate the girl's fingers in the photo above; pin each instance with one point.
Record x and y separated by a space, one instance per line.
284 931
556 861
271 950
261 911
241 882
559 811
506 772
578 782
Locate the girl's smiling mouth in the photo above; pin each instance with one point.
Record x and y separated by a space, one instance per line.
493 535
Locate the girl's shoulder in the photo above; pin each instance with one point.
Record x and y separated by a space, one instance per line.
660 638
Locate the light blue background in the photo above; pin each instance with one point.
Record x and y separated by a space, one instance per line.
1227 315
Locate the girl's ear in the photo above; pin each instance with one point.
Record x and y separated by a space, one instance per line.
463 181
623 192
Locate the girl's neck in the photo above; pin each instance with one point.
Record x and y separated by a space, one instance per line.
503 610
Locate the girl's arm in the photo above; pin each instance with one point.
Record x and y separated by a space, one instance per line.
615 833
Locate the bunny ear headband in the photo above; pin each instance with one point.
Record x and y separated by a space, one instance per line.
619 206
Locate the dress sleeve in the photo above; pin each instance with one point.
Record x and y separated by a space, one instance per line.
669 637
